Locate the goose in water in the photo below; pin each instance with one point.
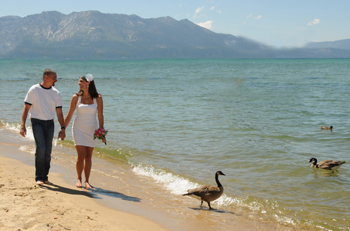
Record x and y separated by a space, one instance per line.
327 128
326 164
207 193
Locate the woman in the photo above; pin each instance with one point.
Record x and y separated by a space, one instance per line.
87 102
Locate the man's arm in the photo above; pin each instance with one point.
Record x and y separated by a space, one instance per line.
25 111
62 132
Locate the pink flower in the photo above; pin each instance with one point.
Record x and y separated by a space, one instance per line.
100 133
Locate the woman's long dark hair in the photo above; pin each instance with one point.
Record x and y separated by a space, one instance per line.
92 88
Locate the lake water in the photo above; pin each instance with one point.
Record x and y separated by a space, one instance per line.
174 123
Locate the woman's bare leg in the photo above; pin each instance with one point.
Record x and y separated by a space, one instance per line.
81 150
87 167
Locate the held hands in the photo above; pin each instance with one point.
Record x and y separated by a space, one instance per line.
62 134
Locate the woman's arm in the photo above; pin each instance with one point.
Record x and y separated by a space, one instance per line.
73 105
100 111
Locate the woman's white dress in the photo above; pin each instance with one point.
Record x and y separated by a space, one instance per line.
85 124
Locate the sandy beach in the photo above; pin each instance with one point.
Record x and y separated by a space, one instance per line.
26 206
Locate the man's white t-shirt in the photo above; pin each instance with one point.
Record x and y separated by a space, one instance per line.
43 101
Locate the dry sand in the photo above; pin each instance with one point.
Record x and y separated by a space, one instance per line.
26 206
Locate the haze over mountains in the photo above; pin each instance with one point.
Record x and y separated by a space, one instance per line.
92 35
340 44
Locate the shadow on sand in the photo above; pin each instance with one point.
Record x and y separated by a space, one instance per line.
92 193
115 194
58 188
212 210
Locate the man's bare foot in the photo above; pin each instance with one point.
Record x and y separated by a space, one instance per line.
88 185
48 182
39 182
78 184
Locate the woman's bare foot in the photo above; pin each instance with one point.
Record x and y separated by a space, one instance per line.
78 184
88 185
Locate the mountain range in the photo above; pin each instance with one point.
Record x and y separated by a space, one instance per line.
92 35
340 44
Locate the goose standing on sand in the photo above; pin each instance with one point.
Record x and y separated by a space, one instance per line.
326 164
207 193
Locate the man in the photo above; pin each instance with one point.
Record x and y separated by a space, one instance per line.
43 101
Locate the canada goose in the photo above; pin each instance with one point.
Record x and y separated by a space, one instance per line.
207 193
326 164
327 128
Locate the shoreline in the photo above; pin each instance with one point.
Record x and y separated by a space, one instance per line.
62 206
117 190
24 205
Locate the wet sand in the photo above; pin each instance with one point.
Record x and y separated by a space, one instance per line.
26 206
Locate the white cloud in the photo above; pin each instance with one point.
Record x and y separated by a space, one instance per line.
219 11
180 5
259 17
249 16
316 21
199 9
212 8
208 24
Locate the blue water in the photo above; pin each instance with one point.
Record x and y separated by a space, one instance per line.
258 121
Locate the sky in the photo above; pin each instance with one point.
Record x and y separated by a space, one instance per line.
278 23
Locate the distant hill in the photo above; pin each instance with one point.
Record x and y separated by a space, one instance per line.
340 44
92 35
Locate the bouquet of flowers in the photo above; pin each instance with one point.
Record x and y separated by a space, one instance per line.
100 134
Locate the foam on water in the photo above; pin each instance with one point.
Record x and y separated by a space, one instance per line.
16 127
176 184
179 185
27 148
115 176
